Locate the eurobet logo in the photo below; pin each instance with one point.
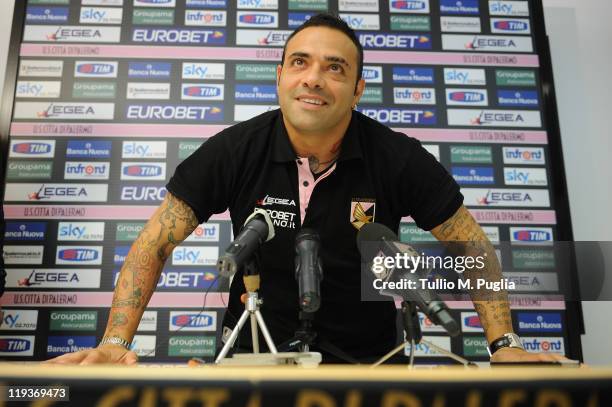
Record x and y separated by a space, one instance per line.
142 193
546 345
175 112
206 232
181 280
400 116
193 321
179 36
394 41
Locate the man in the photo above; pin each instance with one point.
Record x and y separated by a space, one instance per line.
315 163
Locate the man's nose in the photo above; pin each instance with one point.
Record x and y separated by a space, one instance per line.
313 78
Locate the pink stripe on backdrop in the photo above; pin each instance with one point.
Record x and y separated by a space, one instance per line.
213 300
201 131
103 299
509 216
151 51
115 130
476 136
268 54
104 212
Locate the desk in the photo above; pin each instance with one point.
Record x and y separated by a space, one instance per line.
325 386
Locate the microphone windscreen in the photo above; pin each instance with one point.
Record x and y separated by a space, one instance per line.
374 232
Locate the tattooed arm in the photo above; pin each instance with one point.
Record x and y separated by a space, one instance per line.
171 223
492 307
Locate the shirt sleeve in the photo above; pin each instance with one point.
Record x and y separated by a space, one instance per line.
429 192
203 180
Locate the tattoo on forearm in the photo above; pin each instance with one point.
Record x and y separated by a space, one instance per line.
171 224
461 228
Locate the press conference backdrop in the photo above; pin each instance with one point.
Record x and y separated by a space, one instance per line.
108 96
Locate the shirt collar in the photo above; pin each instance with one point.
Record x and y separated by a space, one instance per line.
282 151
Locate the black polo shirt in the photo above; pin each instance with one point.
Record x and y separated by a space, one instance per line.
380 176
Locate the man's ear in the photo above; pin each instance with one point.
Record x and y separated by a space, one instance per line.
279 68
358 91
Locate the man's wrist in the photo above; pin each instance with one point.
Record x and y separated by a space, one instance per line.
115 340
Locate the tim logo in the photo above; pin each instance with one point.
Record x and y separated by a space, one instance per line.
362 211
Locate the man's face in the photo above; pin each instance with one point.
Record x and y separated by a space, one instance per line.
316 84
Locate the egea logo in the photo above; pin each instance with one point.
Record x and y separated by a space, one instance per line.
478 43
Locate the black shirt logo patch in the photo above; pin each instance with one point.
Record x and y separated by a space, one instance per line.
362 211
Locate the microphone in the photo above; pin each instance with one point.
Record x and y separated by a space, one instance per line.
375 239
308 269
257 229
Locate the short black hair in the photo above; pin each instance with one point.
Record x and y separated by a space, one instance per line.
336 23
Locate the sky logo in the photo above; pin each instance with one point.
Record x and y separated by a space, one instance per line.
195 256
472 77
81 231
141 149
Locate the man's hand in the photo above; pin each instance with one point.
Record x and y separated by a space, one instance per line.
108 353
518 355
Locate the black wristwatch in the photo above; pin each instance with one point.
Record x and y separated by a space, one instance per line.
509 340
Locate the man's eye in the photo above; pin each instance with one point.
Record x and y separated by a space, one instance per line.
335 68
298 62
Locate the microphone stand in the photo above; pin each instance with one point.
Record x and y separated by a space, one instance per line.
414 336
251 282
